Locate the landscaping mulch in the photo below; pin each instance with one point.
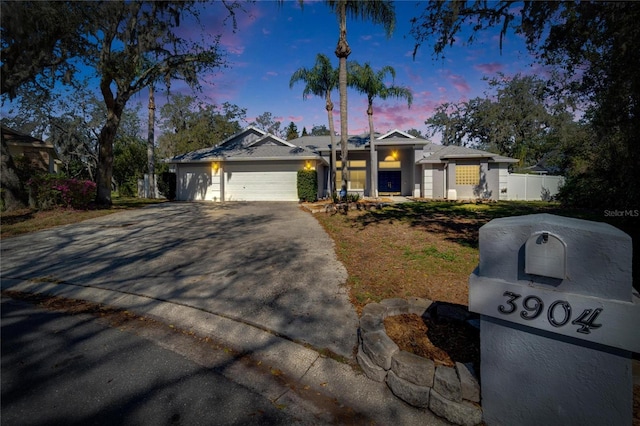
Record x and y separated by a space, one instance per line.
445 342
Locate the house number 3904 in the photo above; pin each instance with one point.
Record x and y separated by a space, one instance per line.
558 313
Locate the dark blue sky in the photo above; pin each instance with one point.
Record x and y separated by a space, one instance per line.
272 41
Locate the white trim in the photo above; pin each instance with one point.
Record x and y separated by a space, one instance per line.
427 180
395 131
269 135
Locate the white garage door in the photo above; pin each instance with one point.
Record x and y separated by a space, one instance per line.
261 182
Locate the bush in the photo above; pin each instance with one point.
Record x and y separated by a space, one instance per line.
167 185
307 185
353 197
129 188
49 191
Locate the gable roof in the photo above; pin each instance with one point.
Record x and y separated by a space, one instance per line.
250 144
441 153
254 144
358 142
13 137
396 134
270 139
244 132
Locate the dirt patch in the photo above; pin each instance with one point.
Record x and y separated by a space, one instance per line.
445 342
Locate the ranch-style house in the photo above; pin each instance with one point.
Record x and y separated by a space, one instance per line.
253 165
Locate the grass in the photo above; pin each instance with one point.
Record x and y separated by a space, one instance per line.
425 249
29 220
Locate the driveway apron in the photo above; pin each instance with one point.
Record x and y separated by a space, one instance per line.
270 265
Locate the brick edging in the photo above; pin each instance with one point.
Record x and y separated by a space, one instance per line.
449 392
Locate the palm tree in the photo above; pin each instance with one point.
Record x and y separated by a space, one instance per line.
380 12
321 80
371 83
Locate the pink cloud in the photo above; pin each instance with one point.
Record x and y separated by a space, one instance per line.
269 74
460 84
295 118
415 78
489 68
235 49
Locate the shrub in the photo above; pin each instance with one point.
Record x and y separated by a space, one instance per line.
49 191
353 197
129 188
307 185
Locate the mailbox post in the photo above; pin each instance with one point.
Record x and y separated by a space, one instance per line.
559 320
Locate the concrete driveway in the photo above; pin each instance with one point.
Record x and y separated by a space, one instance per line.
269 265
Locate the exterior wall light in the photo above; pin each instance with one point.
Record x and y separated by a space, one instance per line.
392 157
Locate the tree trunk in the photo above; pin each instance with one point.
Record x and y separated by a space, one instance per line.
105 157
14 196
342 52
150 145
373 191
332 135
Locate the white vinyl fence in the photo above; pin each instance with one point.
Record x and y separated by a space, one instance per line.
145 190
526 187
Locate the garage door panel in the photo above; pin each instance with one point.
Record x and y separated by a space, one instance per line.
261 182
253 177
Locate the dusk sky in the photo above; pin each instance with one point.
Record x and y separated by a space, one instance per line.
273 41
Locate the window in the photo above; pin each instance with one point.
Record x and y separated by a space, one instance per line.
352 164
356 181
389 165
467 175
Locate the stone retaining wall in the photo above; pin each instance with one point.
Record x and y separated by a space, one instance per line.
449 392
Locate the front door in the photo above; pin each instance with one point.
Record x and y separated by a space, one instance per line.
389 182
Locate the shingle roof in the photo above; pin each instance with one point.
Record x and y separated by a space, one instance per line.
235 153
15 137
356 142
269 147
438 153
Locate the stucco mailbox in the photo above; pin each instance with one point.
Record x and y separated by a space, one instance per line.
559 320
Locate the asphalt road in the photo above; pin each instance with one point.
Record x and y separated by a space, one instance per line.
62 369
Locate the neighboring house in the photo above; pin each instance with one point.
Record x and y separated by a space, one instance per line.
253 165
41 155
